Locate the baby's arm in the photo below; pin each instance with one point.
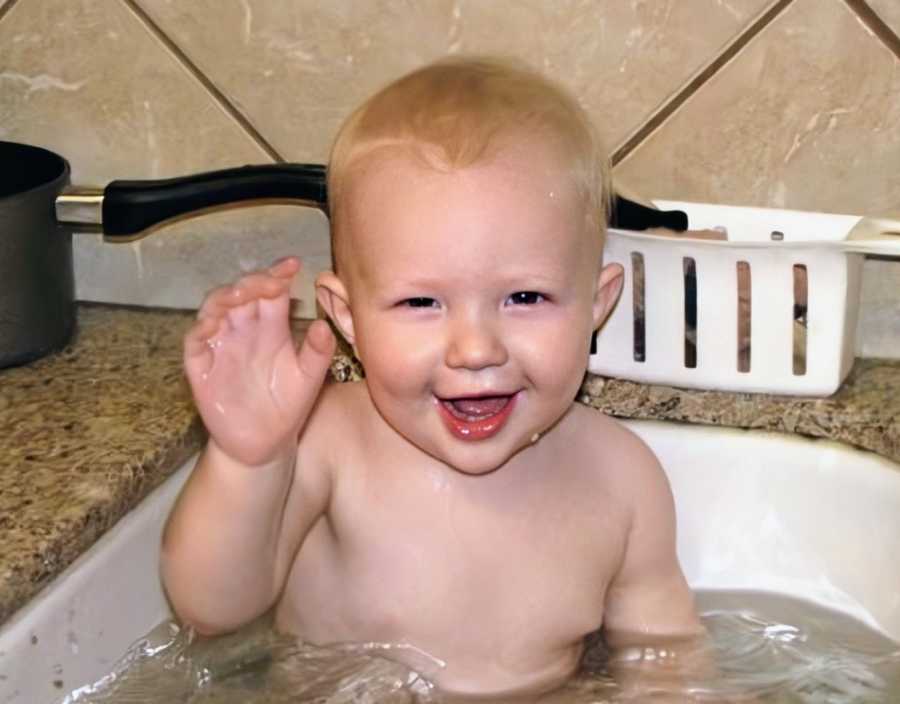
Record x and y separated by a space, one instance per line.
225 555
648 602
649 595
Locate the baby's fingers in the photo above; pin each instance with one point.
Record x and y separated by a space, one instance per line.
220 301
198 355
216 303
259 285
286 267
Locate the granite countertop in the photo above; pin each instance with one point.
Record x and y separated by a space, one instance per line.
86 433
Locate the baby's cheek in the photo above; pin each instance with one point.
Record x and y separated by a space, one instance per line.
403 357
569 372
573 364
400 369
562 348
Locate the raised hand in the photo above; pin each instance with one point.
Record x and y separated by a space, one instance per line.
253 389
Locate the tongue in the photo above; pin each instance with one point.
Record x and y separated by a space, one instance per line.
487 406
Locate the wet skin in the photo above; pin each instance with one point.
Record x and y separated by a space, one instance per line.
455 500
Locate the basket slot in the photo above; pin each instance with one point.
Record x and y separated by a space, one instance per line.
801 303
664 310
744 316
717 319
771 316
638 307
689 268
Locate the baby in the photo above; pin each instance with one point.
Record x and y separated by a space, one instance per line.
457 499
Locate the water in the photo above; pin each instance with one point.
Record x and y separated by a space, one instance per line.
767 649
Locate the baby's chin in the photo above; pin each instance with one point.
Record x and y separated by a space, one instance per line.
469 457
480 457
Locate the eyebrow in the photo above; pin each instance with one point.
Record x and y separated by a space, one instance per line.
522 280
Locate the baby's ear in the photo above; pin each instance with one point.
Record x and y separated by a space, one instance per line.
609 287
332 296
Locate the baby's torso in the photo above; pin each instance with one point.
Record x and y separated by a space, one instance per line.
500 576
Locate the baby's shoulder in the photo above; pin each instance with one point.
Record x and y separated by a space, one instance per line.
337 419
617 455
605 435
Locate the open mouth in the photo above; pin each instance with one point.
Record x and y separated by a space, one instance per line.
476 417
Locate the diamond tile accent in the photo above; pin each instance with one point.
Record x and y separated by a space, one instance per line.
807 116
296 69
889 11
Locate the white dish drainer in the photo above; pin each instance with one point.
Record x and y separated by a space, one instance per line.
678 320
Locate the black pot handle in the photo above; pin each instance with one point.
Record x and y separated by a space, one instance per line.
628 215
130 207
127 208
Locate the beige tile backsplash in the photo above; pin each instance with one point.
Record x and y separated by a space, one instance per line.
806 115
176 265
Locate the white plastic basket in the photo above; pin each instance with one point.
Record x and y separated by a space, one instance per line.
797 325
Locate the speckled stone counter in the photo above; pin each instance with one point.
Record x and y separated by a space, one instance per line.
86 433
865 411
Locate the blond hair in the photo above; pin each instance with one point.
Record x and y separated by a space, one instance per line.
465 110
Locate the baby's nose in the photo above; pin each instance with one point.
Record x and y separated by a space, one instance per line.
475 344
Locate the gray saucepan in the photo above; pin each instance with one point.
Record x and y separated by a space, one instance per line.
39 211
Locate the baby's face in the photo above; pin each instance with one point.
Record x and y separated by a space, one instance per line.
473 295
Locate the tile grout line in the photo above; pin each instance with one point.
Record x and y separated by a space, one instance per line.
872 20
698 80
4 11
217 95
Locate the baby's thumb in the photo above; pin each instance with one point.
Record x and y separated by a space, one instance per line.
316 352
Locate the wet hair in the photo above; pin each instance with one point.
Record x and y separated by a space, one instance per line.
463 110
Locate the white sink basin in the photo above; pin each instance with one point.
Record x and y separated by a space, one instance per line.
810 519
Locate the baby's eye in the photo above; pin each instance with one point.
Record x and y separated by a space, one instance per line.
420 302
525 298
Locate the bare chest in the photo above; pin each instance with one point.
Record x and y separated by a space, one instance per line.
519 572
